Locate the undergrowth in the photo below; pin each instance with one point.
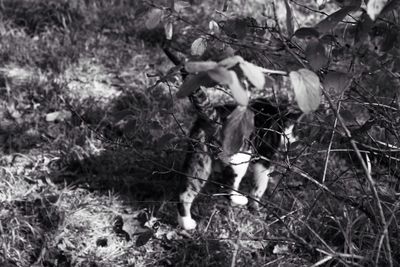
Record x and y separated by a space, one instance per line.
91 145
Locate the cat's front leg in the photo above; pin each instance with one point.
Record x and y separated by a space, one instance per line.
235 171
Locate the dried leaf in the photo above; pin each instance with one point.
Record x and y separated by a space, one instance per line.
198 47
213 26
307 89
238 92
168 28
181 5
61 115
254 74
153 18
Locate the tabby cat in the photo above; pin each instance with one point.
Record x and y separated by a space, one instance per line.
273 128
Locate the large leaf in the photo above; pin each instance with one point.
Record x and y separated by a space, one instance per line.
315 54
253 73
221 75
193 82
332 20
289 18
374 7
199 66
198 47
306 32
307 89
238 92
237 128
153 18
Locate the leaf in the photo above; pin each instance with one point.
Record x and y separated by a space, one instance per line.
221 75
281 249
315 54
198 47
237 128
321 4
164 140
328 39
213 26
153 18
389 41
364 25
193 82
61 115
238 92
332 20
144 237
236 28
306 32
199 66
347 115
168 28
274 174
181 5
253 73
289 19
335 82
307 89
374 8
231 61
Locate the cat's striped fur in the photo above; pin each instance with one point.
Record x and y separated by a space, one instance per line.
273 128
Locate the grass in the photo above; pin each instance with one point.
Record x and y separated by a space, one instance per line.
90 145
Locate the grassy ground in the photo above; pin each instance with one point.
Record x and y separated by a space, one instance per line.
89 148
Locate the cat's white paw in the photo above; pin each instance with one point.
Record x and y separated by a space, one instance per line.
186 222
238 200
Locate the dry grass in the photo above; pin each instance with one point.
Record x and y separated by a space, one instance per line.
89 145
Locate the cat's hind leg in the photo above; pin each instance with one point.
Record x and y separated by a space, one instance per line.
198 166
262 171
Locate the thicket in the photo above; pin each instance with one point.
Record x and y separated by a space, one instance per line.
337 200
343 68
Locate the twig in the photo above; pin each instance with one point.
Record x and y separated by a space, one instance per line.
329 147
369 178
236 250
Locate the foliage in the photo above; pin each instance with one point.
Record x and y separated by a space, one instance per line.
346 43
92 136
